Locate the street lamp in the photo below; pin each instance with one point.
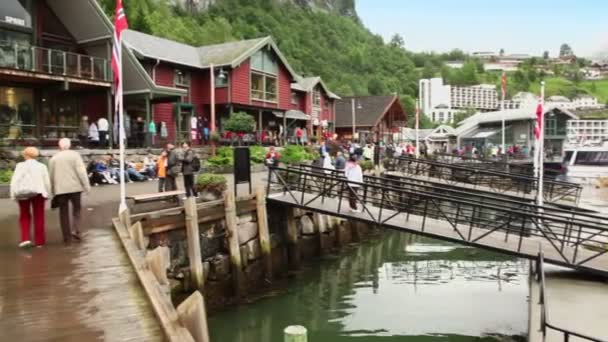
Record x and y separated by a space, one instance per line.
354 115
221 75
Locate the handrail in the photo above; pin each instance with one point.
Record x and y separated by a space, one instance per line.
501 162
544 315
567 234
53 61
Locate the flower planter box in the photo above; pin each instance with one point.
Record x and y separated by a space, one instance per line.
230 169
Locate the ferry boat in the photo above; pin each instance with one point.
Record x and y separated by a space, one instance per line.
585 164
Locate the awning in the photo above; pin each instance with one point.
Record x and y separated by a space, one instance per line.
292 114
483 133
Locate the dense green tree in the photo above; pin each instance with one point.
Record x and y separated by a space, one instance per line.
565 50
376 86
546 55
397 41
428 71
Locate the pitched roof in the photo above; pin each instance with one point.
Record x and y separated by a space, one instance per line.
509 115
368 110
307 84
224 54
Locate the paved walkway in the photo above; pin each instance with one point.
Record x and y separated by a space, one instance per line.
80 292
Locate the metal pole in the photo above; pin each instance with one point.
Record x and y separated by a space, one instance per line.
353 117
212 100
541 144
417 150
121 135
502 109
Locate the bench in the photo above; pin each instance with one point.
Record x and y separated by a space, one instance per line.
156 196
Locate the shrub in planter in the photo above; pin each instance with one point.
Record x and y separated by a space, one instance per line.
211 184
5 176
257 154
366 165
295 154
215 137
223 157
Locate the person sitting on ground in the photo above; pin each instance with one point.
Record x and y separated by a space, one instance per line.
149 166
114 168
133 174
30 187
95 178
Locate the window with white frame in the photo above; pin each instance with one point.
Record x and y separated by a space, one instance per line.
316 98
181 78
264 71
295 99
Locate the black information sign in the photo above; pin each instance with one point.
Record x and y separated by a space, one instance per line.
242 167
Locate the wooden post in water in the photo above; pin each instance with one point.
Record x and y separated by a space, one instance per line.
292 239
194 244
136 233
125 218
233 243
295 333
264 234
193 316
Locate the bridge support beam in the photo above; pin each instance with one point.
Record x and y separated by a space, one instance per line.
293 247
233 243
263 233
194 245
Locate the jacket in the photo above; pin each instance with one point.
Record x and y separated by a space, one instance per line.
353 173
161 167
340 163
31 175
173 163
68 173
187 162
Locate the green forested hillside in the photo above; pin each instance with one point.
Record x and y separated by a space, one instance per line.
345 54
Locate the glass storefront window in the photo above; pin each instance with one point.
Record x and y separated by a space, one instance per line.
15 49
61 116
17 116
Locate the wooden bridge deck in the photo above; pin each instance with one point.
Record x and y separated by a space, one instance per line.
82 292
441 229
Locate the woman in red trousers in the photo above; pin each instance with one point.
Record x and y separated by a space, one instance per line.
31 186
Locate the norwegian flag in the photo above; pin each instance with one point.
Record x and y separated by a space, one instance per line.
120 24
538 127
503 83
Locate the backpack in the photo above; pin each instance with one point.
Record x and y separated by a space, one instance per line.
196 164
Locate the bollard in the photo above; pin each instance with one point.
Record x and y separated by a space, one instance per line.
295 333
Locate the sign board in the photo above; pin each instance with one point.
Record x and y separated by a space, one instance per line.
13 13
242 167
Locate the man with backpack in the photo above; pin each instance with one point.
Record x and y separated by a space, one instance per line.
190 166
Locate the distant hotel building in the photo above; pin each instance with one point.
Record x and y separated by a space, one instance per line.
441 102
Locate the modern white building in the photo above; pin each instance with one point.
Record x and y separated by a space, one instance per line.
586 132
586 102
440 102
530 101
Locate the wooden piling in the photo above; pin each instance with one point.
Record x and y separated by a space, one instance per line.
295 333
193 316
136 233
233 243
292 239
264 233
125 217
194 244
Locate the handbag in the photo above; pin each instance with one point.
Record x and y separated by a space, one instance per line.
23 186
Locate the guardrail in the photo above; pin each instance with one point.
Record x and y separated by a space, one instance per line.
52 61
573 237
545 324
498 181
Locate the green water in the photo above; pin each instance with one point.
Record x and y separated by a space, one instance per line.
397 288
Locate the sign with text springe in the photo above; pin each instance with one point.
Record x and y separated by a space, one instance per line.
13 13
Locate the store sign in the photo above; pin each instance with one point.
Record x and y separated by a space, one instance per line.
14 21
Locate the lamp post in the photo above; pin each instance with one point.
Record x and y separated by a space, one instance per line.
354 115
212 105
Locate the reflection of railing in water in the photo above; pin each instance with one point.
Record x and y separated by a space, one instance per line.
471 222
545 323
497 181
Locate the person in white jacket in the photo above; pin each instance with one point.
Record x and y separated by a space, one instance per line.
31 187
354 175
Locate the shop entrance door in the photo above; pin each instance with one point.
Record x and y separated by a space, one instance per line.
183 114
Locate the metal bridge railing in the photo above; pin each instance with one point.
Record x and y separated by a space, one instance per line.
497 181
469 220
545 324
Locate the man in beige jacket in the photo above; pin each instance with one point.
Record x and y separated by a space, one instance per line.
68 180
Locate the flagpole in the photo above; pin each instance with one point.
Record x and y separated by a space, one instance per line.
541 144
502 109
121 138
417 151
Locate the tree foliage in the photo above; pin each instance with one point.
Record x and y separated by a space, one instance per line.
565 50
240 122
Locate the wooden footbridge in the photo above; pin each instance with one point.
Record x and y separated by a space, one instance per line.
569 238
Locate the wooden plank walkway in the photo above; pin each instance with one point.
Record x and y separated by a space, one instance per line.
441 229
81 292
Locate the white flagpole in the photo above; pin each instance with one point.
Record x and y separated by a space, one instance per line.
121 134
541 147
502 109
417 150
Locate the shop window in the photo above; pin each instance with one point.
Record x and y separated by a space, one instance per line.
61 115
263 87
17 116
550 127
15 49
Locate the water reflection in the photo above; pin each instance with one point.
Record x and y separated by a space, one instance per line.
400 288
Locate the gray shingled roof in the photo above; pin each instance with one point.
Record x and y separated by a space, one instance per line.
197 57
372 109
308 83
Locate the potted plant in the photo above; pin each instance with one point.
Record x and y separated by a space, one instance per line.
5 180
211 186
240 123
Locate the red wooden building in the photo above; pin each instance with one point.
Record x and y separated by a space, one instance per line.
373 118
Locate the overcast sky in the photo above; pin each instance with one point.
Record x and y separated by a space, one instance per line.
518 26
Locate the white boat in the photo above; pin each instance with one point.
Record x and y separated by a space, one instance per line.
585 164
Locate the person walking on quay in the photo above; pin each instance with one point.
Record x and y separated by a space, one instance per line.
189 168
353 173
102 127
30 187
161 170
68 181
340 162
172 168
